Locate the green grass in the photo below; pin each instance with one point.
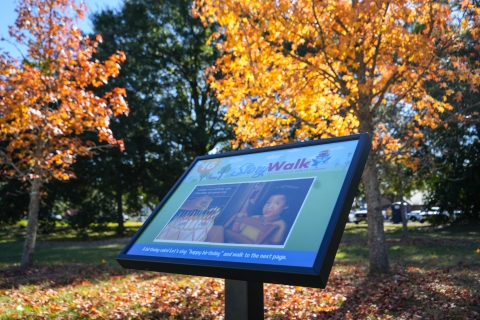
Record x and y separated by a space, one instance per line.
66 252
62 232
425 245
63 245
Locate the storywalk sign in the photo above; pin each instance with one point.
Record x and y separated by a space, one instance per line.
273 214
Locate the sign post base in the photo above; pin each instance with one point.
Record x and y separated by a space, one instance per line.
243 300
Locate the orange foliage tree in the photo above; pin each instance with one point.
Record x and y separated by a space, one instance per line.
307 69
46 100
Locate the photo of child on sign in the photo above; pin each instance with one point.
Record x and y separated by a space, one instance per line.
269 227
254 213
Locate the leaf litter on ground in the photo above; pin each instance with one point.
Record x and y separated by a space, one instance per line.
89 291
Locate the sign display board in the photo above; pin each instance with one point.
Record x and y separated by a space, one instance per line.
273 214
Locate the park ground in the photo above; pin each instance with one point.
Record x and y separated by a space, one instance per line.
435 275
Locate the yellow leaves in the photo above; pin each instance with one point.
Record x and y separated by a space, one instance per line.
315 89
417 135
391 144
462 77
382 127
54 308
402 68
96 83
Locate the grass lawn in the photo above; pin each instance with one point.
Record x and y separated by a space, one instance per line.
435 275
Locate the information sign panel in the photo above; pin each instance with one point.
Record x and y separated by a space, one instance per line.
273 214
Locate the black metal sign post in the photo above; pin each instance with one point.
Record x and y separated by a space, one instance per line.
243 300
244 216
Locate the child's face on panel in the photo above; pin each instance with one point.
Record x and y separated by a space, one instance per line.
275 205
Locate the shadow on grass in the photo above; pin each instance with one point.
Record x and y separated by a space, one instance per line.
56 275
54 252
59 263
410 293
437 256
425 246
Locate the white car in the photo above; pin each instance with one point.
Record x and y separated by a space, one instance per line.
457 214
434 211
351 216
358 215
416 216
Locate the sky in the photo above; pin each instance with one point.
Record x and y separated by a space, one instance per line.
8 16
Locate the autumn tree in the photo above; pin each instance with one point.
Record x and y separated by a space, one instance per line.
174 116
47 102
308 69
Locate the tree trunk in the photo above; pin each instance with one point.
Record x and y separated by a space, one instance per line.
376 234
32 226
400 195
121 227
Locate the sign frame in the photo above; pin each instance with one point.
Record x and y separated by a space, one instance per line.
316 276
